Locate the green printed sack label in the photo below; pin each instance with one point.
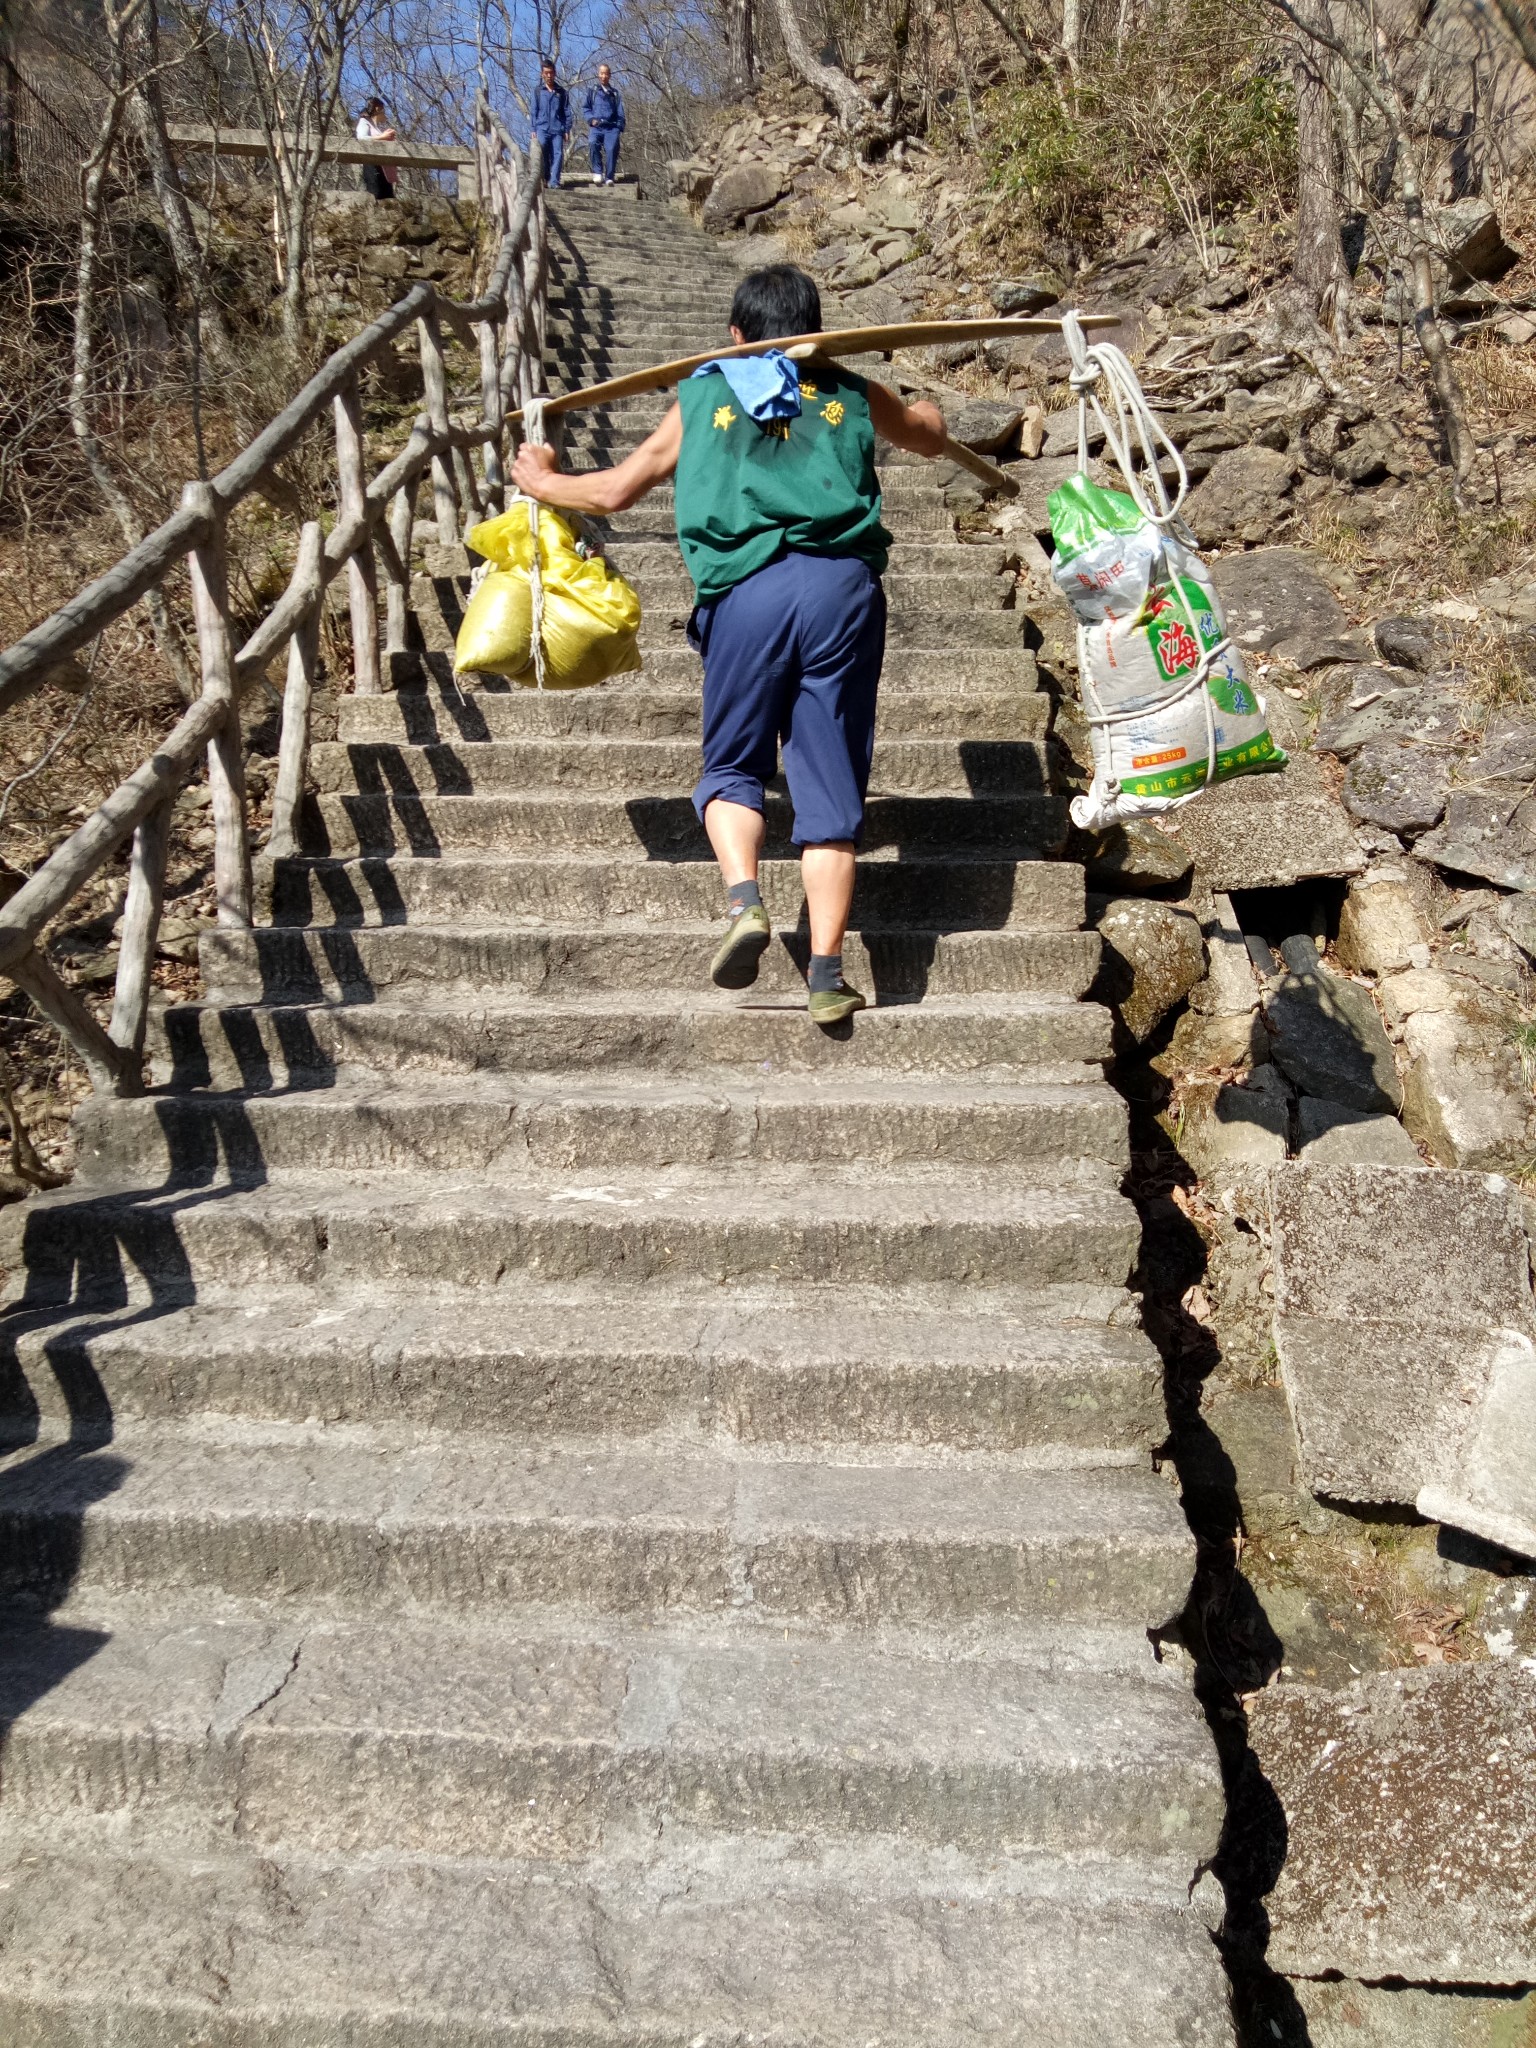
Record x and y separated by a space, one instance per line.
1169 703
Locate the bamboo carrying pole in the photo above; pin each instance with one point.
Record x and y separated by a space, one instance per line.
843 341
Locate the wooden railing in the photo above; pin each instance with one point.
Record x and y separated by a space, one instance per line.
372 529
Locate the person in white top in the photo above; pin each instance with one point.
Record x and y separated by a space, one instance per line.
373 126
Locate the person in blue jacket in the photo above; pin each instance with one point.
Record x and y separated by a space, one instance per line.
604 109
551 121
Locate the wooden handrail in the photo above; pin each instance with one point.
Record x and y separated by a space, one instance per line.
503 325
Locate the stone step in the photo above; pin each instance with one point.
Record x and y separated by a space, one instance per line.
806 1368
459 889
813 1944
908 515
200 1045
642 561
666 828
944 590
912 680
439 1738
918 701
1064 1224
910 625
622 1120
902 767
482 1526
295 965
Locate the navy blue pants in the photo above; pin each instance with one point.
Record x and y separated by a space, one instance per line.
793 655
604 151
554 157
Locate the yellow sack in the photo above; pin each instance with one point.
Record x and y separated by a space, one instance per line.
591 616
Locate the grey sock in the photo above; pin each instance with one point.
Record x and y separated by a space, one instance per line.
743 896
826 972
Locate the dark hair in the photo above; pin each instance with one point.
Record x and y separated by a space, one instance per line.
371 107
547 64
774 301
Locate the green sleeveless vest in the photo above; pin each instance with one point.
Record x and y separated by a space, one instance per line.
747 494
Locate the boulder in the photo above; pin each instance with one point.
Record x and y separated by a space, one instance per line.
1328 1134
1022 298
1201 1041
1396 1290
1487 832
983 424
1423 712
1410 1810
1469 238
1380 928
1243 498
1507 752
1516 917
1267 831
1375 452
745 189
689 178
1153 956
1226 348
1229 988
1061 432
1326 1034
1277 601
1222 1127
1406 643
1134 856
1397 786
1466 1096
1344 2013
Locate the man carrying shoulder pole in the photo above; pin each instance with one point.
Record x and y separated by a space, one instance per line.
778 518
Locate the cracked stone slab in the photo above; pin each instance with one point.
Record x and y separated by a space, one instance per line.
1410 1801
1397 1290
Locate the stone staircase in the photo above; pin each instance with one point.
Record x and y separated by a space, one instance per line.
550 1505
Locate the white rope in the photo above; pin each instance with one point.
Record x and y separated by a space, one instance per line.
1096 361
533 433
1093 362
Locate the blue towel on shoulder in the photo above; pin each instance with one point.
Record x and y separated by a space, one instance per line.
766 387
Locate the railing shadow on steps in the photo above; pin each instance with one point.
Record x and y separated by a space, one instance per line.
505 326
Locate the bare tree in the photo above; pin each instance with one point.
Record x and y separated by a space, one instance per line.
848 101
1318 267
296 54
1384 86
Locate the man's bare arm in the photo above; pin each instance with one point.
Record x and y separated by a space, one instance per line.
918 428
602 490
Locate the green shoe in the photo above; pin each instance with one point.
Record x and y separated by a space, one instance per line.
832 1005
735 965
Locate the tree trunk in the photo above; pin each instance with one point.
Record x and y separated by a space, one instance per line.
1429 333
836 87
149 120
1318 266
1072 33
743 54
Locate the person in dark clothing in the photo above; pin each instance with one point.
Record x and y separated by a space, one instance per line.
550 119
604 109
778 518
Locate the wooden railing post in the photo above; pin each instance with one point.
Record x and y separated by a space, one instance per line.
298 693
402 520
490 406
226 768
362 568
112 1070
141 928
434 378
